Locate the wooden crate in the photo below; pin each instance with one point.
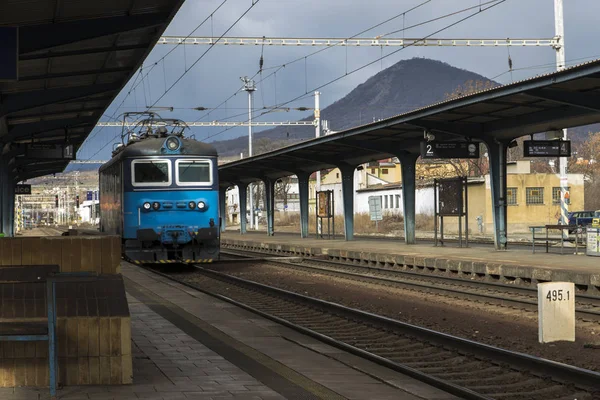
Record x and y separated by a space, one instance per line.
101 254
93 334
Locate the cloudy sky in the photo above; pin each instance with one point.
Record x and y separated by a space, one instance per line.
215 76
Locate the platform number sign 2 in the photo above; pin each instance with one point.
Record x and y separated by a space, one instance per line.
440 149
429 150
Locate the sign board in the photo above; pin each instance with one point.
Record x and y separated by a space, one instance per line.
23 189
556 311
547 148
324 203
436 149
89 195
593 242
375 209
9 53
450 200
595 222
50 151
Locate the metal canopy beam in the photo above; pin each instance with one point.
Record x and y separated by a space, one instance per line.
22 176
588 101
77 73
70 53
52 140
524 123
39 37
23 101
36 117
26 130
368 145
450 128
311 158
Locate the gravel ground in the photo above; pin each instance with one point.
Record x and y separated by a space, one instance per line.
503 327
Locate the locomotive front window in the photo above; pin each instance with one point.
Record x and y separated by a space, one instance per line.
151 173
193 172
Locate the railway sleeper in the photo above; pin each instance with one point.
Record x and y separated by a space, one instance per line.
499 377
466 372
449 362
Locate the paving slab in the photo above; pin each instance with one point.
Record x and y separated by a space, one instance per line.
321 370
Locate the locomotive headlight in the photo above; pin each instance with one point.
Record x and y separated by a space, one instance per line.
191 205
156 205
172 143
201 205
147 206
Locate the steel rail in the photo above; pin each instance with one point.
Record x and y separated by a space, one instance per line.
530 303
561 373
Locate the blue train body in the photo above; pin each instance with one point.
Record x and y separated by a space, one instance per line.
160 193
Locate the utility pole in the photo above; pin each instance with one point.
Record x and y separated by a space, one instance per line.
250 88
317 134
559 29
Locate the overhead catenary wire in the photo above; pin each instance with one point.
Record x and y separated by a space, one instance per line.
254 2
277 68
495 3
134 86
404 29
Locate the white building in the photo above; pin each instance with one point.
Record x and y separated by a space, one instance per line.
391 199
89 211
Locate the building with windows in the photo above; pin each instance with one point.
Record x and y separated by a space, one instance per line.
532 198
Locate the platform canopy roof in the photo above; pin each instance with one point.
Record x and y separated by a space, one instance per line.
74 58
553 101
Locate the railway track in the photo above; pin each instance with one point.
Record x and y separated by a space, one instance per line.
587 307
462 367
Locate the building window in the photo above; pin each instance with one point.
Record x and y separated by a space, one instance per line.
373 171
386 202
535 195
384 171
511 196
397 201
337 174
556 195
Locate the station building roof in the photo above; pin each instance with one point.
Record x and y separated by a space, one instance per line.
74 58
548 102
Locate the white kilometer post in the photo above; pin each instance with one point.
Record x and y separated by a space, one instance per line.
556 311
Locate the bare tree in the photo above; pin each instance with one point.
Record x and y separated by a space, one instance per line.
470 87
585 161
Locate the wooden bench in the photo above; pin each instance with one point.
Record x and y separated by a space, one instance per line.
545 239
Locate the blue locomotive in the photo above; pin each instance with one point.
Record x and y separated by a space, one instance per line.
160 192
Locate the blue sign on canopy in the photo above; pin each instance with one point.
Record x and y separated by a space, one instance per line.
9 53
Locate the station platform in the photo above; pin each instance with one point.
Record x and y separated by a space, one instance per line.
188 345
516 265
